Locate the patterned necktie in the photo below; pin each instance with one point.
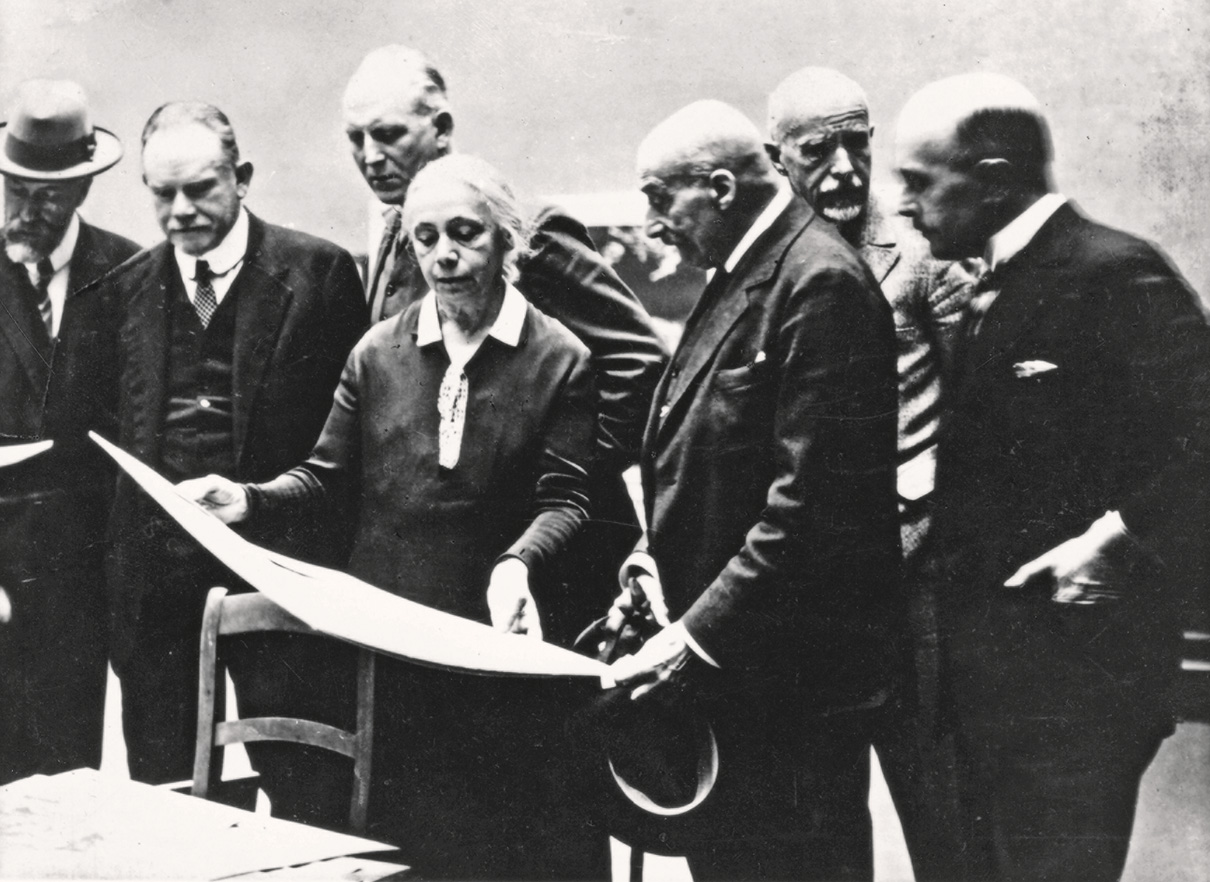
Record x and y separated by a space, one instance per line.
451 406
984 295
384 268
204 301
46 272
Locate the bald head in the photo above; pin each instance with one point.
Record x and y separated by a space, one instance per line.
810 94
981 116
706 177
702 137
819 138
397 118
974 152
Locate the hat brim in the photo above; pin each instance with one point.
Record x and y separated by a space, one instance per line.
651 766
106 156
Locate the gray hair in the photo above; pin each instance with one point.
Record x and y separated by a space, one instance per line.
395 61
179 113
489 185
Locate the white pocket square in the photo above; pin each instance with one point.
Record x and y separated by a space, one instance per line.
1026 369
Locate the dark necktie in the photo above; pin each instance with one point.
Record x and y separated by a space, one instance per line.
204 301
46 272
385 266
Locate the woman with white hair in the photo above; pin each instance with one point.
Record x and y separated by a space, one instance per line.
461 433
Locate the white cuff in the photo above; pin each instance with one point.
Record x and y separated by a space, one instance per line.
693 644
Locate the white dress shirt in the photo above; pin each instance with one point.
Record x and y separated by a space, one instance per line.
60 259
225 259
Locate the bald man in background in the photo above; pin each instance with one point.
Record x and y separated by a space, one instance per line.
1071 488
398 118
769 478
819 138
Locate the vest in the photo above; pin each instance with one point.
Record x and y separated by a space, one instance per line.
199 428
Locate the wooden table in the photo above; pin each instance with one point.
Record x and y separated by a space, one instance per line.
86 825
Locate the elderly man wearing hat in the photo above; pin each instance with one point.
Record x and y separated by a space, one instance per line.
53 503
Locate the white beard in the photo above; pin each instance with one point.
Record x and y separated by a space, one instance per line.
20 252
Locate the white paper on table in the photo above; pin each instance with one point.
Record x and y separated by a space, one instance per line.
346 607
89 825
11 454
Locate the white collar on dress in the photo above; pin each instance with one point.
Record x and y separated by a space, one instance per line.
506 328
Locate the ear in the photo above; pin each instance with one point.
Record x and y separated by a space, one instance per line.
871 136
443 123
774 151
723 186
243 177
997 176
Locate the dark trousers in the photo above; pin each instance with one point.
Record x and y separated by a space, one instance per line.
159 672
52 675
53 650
790 804
917 754
1054 801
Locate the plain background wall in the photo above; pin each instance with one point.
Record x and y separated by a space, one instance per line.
558 93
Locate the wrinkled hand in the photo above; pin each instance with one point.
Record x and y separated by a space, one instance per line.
656 665
509 600
642 590
226 500
644 596
6 608
1088 569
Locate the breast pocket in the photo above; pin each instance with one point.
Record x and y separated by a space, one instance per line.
740 405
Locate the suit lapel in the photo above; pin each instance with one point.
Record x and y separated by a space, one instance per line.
702 338
262 297
1026 290
22 323
881 259
144 340
717 312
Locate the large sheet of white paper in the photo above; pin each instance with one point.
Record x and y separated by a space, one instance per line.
11 454
346 607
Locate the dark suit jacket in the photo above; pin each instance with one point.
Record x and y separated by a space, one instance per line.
769 471
1113 414
300 310
52 526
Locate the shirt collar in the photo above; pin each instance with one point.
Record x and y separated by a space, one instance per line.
224 256
772 212
61 256
506 328
1020 231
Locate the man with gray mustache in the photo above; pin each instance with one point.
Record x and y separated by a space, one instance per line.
819 138
52 505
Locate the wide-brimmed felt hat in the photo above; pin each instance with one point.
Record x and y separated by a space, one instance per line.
651 764
49 135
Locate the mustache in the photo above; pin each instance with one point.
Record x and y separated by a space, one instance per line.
850 188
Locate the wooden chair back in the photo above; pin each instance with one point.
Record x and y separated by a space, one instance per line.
242 614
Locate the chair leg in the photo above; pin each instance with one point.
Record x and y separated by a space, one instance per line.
636 864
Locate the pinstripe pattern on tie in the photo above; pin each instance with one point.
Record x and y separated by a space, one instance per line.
46 272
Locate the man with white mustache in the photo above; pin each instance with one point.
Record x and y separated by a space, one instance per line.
819 138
